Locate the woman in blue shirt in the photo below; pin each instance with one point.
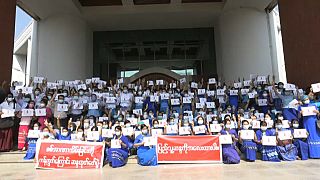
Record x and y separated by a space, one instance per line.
147 155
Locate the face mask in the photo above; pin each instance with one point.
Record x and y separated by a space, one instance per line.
171 123
145 116
246 127
65 94
49 97
264 128
26 99
281 118
105 126
64 134
60 101
279 126
128 125
139 93
42 105
265 95
156 125
144 131
295 125
37 92
160 117
120 118
86 125
306 101
76 97
151 114
35 128
267 119
10 99
45 134
81 93
228 126
93 98
125 91
280 86
31 106
118 133
186 124
200 122
214 122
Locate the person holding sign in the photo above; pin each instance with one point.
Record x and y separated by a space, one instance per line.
147 155
300 143
48 112
64 134
269 153
264 102
229 152
248 145
32 141
310 124
164 101
24 125
8 111
118 157
59 113
286 150
200 127
234 98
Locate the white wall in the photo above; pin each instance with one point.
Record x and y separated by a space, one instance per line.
242 43
64 48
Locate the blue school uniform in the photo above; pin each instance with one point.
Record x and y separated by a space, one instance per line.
229 152
147 156
269 153
31 152
309 123
118 157
249 148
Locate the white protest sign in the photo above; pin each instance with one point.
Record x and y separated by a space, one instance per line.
210 105
187 100
62 107
137 111
77 105
199 105
138 100
220 92
212 81
7 113
127 131
308 111
27 90
115 143
184 131
244 91
210 93
247 83
150 141
34 134
315 87
284 135
199 129
172 129
175 102
40 112
108 133
247 134
300 133
269 140
290 87
255 124
215 128
225 139
165 96
101 119
111 100
233 92
237 85
201 91
93 105
262 102
156 132
93 135
38 79
194 85
183 80
251 95
27 112
159 82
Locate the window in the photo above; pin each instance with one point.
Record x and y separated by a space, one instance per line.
184 72
128 73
